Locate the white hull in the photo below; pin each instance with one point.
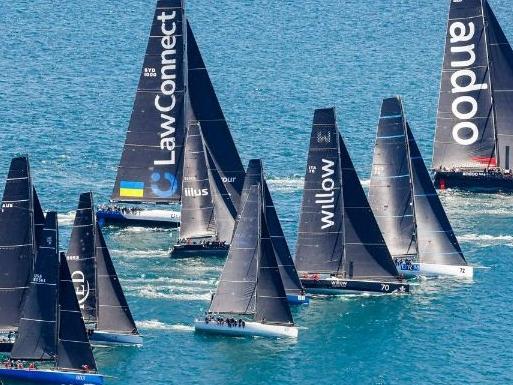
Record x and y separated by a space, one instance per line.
251 329
154 216
102 338
435 270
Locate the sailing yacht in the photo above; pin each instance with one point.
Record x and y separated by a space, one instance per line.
408 210
340 248
208 213
21 223
473 146
100 295
174 89
250 299
51 330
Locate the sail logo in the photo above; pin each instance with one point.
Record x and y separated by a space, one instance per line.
168 180
81 287
165 101
324 137
226 179
195 192
326 199
464 81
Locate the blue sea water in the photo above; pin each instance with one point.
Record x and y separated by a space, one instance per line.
68 74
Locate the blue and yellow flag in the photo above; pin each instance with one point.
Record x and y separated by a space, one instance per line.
131 189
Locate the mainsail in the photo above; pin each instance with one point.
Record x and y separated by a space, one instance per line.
81 256
320 240
474 110
150 169
39 216
73 348
113 311
37 332
437 243
17 241
236 291
338 232
197 212
390 191
208 112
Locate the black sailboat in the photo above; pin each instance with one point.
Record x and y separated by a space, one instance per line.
201 212
340 248
97 287
407 207
250 291
150 169
473 146
18 216
52 332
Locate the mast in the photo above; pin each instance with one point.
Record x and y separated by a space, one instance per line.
150 169
465 128
37 332
17 241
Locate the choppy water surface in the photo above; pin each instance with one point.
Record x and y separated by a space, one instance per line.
68 77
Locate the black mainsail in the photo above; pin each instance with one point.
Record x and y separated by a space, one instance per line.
216 133
197 212
150 169
73 348
17 241
475 111
81 256
39 216
338 233
37 332
390 191
437 243
113 310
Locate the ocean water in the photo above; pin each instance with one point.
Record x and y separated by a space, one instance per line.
68 74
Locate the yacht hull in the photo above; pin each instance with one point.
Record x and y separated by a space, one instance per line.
251 329
435 270
340 286
104 338
474 181
41 376
188 251
144 218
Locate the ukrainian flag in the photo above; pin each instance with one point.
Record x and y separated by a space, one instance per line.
131 189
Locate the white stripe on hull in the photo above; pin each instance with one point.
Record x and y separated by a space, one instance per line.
251 329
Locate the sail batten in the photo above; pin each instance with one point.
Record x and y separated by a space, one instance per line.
150 169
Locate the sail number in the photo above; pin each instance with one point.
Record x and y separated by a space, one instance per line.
150 72
38 278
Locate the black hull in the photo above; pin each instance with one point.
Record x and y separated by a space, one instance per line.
479 182
189 251
341 286
6 347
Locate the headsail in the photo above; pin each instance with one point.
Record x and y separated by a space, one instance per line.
320 236
236 291
501 74
39 216
73 348
150 169
465 125
208 112
271 300
390 191
197 215
113 311
81 256
437 243
17 241
37 332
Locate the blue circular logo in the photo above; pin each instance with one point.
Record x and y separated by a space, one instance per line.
164 186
